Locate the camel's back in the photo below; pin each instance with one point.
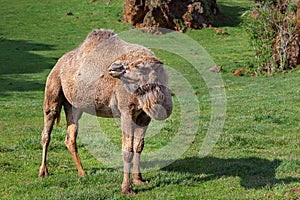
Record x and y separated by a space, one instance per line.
82 69
93 57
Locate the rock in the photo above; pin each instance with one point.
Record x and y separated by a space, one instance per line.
171 14
237 73
216 69
69 14
221 32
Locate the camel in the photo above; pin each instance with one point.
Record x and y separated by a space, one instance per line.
107 77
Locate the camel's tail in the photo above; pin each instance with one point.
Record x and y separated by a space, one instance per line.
62 98
58 116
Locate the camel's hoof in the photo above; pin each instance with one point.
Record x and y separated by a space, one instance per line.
43 173
127 189
81 173
140 182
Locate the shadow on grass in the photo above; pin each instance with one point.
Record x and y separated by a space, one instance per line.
18 57
231 15
254 173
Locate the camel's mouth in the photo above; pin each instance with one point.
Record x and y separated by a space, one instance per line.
155 100
116 70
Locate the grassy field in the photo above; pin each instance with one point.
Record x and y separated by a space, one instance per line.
256 157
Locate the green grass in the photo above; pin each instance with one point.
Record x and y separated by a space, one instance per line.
256 157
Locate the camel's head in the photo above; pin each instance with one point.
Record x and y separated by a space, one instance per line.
135 69
145 76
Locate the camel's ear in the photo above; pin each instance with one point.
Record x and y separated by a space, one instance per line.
116 69
156 64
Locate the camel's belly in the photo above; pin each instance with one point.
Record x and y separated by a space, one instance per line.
103 105
106 113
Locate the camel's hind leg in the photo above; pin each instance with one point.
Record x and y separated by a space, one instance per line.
52 107
73 115
48 124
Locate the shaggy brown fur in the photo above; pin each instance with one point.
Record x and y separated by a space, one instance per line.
107 77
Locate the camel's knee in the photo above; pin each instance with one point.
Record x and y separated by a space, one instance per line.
45 139
127 156
71 145
127 142
127 147
138 145
46 134
72 130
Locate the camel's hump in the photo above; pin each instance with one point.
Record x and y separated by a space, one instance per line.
97 39
100 34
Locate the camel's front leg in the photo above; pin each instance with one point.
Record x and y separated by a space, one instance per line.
127 151
138 148
133 134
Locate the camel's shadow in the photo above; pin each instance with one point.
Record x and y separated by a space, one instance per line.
254 173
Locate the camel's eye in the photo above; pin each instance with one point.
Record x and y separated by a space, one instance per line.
144 69
156 65
139 66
